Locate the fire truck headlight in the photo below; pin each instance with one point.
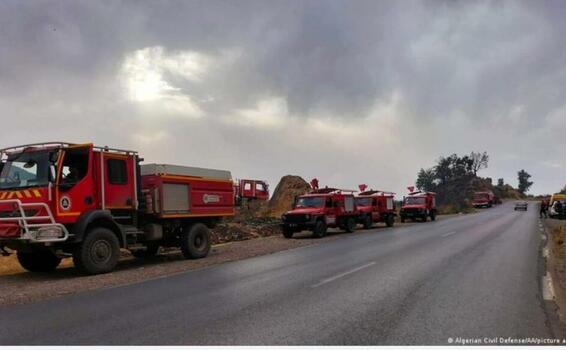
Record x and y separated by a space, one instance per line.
49 232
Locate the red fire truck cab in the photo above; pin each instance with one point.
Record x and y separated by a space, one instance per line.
251 190
419 205
66 200
376 206
484 199
319 210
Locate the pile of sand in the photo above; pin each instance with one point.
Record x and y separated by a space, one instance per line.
283 198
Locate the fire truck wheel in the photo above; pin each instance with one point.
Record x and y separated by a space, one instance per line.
402 219
350 225
368 222
288 232
319 230
390 221
424 217
39 261
195 242
98 253
432 216
150 250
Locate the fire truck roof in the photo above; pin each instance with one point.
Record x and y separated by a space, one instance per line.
179 170
58 144
422 193
380 193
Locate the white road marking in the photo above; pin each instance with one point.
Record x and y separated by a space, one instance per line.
545 253
449 234
547 288
334 278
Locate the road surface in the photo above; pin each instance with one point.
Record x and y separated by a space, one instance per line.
467 276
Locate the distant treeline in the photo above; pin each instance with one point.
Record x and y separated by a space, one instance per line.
455 178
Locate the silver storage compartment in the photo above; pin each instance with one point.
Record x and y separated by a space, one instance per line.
175 198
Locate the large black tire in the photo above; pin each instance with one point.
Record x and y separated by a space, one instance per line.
424 217
350 225
195 241
98 253
368 222
390 221
432 215
39 261
288 232
319 229
151 250
402 219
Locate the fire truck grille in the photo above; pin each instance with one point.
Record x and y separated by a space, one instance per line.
295 219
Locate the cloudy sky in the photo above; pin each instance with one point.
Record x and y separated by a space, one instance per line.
347 91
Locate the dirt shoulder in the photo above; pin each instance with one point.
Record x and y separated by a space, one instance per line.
556 263
18 286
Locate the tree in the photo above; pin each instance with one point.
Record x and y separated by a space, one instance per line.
563 191
425 180
500 183
524 183
479 161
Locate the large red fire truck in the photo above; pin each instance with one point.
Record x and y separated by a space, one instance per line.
246 189
419 205
320 209
376 206
483 199
68 200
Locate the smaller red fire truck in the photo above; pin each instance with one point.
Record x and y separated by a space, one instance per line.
376 206
251 190
62 200
483 199
319 210
419 205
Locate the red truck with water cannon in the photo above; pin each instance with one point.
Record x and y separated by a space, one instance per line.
62 200
484 199
419 205
375 207
320 209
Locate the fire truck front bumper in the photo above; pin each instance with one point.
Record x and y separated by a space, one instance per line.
299 222
413 213
18 225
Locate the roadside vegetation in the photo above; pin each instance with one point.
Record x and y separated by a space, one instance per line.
455 178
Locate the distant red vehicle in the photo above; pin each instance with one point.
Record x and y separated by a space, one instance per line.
483 199
251 190
419 205
60 200
319 210
376 206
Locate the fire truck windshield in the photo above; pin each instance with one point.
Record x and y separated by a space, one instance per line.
363 202
25 169
310 202
414 200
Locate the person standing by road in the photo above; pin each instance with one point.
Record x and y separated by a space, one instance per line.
543 209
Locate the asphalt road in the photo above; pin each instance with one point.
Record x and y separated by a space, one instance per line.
468 276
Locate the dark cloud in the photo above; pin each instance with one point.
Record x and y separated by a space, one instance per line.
467 74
